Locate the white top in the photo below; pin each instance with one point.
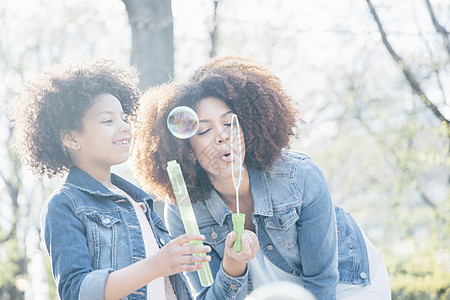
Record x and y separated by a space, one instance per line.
159 288
262 272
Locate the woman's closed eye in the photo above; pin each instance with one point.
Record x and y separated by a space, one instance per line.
202 132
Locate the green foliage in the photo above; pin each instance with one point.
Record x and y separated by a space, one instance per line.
12 265
52 292
421 274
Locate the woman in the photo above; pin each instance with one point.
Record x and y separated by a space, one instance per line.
303 237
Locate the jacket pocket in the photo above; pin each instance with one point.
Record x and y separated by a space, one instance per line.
281 220
282 229
102 228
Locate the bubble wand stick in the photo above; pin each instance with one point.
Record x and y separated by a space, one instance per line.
183 123
238 218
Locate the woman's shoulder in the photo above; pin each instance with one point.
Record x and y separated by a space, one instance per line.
294 161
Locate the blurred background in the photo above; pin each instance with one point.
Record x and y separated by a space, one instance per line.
371 77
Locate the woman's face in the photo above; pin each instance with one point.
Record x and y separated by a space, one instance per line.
212 142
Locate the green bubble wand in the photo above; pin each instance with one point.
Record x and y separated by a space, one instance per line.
183 123
238 218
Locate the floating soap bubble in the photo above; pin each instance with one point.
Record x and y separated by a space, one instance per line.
182 122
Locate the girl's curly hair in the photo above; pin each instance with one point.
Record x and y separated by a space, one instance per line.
56 102
265 111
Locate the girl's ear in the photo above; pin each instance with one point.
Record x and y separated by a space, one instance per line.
69 139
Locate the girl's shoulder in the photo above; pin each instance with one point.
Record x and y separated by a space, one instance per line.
63 195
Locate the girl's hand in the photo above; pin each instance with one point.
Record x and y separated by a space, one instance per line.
235 263
176 256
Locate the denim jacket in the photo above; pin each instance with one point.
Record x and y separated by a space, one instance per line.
89 232
298 228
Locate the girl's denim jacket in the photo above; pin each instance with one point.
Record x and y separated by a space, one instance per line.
89 232
298 229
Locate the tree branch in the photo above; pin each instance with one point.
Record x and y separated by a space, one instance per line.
408 74
439 28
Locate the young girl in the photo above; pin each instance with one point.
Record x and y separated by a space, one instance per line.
303 237
102 236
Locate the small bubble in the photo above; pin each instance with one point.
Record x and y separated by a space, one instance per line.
182 122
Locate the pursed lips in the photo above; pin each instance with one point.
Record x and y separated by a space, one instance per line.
225 156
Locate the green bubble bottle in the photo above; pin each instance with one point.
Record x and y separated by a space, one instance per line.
188 217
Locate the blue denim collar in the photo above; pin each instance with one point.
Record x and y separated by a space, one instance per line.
262 204
86 183
217 208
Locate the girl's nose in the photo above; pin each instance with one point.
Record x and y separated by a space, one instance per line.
124 126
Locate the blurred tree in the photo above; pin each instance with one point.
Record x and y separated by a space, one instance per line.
15 268
214 31
152 40
409 75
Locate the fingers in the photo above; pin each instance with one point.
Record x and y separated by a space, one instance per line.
229 242
190 243
190 259
250 246
191 267
253 241
189 263
182 239
187 249
246 252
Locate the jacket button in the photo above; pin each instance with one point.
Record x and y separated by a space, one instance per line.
106 220
363 275
214 234
269 247
162 241
233 286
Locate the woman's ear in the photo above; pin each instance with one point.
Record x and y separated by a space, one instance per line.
69 139
190 155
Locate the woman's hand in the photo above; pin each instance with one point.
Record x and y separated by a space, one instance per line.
176 256
234 263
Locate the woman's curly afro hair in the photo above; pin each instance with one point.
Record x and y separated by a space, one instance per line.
265 111
56 102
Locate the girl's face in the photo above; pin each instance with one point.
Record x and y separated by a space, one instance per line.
106 136
212 142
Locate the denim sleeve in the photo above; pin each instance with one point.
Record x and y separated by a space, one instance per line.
66 243
317 234
224 286
93 285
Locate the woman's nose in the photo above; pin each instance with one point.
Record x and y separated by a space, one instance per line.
222 137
